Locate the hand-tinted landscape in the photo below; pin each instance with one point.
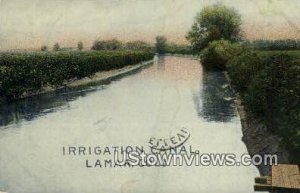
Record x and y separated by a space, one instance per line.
214 82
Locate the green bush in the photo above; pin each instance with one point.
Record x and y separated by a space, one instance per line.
29 72
139 46
56 47
274 95
113 44
243 69
44 48
270 87
218 53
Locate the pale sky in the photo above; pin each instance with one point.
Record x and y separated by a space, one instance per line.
32 23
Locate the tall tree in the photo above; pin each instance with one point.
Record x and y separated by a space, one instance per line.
214 23
161 43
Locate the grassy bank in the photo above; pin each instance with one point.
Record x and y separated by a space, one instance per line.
268 83
29 72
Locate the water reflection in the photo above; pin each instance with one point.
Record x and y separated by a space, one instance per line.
215 100
160 62
29 108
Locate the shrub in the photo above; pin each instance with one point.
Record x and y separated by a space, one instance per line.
44 48
218 53
113 44
270 85
29 72
275 91
243 69
56 47
138 46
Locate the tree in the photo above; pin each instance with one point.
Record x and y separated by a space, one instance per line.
137 45
80 45
113 44
214 23
44 48
56 47
161 44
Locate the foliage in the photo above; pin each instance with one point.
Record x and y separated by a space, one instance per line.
113 44
161 43
179 49
29 72
287 44
80 45
293 53
138 46
44 48
244 68
214 23
56 47
217 53
272 92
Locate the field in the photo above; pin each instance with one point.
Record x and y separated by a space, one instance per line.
28 72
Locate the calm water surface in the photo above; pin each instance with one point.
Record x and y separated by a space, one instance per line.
155 102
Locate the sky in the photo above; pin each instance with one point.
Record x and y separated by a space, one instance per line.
28 24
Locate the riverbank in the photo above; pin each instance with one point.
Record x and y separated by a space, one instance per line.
93 79
257 138
106 75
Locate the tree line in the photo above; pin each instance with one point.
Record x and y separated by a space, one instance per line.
284 44
112 44
161 46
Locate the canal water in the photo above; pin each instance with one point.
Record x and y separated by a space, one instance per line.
39 135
